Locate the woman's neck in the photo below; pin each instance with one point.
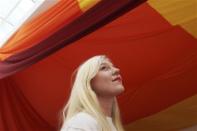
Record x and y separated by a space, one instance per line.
106 105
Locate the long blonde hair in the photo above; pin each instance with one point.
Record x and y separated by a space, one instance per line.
83 98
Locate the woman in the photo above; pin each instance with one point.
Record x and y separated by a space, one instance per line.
92 105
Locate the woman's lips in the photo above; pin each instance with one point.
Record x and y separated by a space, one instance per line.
118 78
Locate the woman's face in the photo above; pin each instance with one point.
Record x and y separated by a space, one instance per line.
108 81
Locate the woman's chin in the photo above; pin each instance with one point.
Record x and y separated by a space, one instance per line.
119 89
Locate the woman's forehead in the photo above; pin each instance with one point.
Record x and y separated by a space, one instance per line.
106 61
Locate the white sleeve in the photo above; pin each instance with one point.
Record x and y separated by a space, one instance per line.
73 129
78 128
81 122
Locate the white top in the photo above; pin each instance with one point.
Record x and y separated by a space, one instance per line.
84 122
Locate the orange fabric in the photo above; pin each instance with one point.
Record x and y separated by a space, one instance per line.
41 27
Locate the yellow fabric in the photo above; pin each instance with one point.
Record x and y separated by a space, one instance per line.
176 117
178 12
87 4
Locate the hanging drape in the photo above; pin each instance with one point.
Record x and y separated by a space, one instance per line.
62 24
157 58
16 112
66 21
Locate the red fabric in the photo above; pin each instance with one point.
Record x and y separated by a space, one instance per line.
16 112
157 67
43 46
26 115
158 63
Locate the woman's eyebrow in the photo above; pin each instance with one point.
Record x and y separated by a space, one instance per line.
106 63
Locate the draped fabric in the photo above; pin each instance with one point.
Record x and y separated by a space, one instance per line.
42 45
42 27
157 59
178 12
64 23
16 110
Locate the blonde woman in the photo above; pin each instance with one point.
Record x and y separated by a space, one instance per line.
92 105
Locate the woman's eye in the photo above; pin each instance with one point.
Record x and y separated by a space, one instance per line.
104 68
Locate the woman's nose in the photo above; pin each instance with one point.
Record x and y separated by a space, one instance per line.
116 71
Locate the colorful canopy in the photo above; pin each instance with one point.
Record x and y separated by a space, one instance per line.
154 44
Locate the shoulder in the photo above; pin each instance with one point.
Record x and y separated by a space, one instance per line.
82 121
82 118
